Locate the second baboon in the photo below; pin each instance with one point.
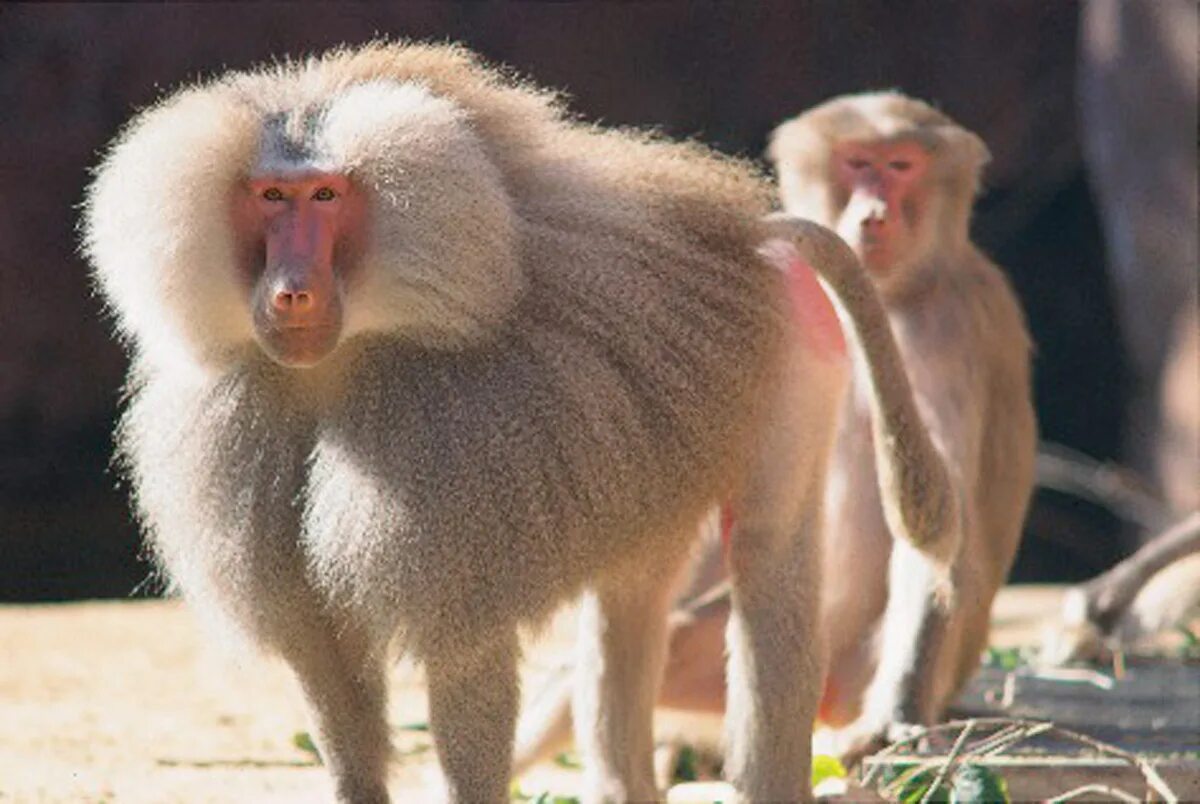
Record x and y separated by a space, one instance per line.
912 559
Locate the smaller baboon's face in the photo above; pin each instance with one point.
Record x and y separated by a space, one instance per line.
299 240
884 184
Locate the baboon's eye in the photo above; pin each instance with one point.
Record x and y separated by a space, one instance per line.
900 165
324 194
272 194
857 163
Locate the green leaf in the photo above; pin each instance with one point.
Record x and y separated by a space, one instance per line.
918 787
914 787
544 797
1190 649
568 760
826 767
891 773
1008 659
687 766
416 750
972 783
303 740
975 783
415 726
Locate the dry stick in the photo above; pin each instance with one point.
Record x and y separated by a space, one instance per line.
1152 776
1094 788
1156 781
899 744
950 761
1083 675
1009 693
953 724
1004 737
1001 746
1006 733
994 744
1012 732
893 788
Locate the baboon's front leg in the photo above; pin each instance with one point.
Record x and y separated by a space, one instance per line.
622 649
473 707
775 665
344 684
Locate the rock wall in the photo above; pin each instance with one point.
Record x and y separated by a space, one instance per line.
723 73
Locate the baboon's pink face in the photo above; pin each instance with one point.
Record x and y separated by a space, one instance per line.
886 199
300 239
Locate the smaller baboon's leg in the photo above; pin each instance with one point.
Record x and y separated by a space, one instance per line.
1108 596
622 649
914 629
1135 597
695 674
545 727
473 703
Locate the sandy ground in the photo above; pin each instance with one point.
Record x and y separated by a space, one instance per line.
128 702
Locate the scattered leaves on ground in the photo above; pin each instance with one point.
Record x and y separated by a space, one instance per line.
971 783
303 740
414 726
568 760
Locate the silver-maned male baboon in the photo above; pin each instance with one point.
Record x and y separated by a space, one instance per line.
416 358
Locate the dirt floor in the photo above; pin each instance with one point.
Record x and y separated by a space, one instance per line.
127 702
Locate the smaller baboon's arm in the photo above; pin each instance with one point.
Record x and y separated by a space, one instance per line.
919 499
1108 596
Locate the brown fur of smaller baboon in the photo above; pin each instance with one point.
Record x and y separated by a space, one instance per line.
966 351
932 467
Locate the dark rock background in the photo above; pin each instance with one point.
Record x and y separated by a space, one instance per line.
724 73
